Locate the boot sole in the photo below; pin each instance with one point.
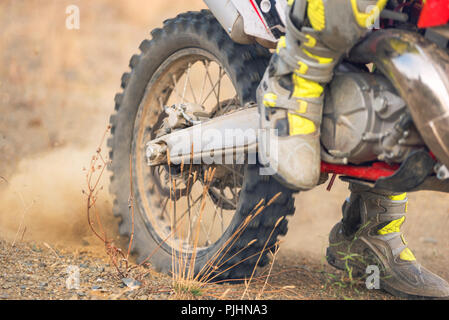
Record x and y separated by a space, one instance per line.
333 261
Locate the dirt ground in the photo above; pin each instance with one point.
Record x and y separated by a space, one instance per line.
56 94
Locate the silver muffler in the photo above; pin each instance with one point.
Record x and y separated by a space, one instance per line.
231 138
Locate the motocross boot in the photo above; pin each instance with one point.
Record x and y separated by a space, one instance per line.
370 235
291 94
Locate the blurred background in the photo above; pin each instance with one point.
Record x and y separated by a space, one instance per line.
57 88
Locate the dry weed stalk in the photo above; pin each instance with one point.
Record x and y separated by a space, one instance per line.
273 259
22 227
97 167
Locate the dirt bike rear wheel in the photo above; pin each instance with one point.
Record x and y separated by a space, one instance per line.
189 41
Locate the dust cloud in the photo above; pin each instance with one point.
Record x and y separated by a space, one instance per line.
44 200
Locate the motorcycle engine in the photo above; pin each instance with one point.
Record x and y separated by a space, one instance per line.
364 119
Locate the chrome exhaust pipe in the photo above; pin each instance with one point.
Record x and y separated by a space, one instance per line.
231 138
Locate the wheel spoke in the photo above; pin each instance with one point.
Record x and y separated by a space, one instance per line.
213 85
232 170
192 91
224 198
186 82
219 86
206 65
235 185
215 214
193 203
174 88
164 208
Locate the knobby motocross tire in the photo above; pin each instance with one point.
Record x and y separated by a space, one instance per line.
245 65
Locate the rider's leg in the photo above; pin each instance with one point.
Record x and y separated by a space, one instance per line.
370 232
319 33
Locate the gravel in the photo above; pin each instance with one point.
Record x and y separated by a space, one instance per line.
33 271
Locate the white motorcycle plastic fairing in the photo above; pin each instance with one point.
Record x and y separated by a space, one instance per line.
254 23
227 12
